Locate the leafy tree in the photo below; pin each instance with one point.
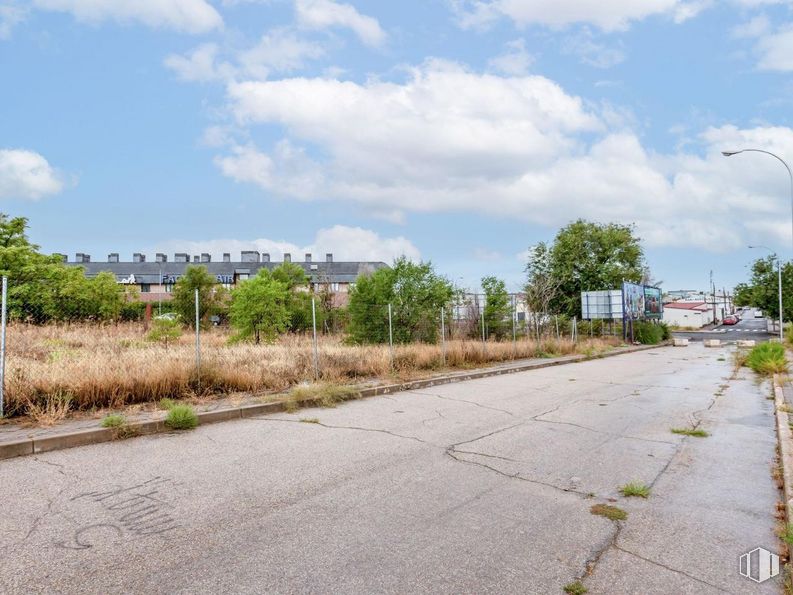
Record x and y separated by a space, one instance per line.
416 294
584 256
259 308
762 291
742 295
211 298
498 309
165 330
298 302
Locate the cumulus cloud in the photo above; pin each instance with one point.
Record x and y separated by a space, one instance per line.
345 243
515 60
187 16
26 174
608 15
323 14
11 14
448 139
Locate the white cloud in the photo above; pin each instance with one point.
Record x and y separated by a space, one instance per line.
188 16
608 15
322 14
516 60
775 50
11 14
26 174
448 139
279 50
345 243
592 52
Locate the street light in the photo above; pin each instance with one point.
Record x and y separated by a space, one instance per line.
779 271
777 157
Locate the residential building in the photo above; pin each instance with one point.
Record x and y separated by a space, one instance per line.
156 279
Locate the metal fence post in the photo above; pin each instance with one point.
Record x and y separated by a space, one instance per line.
556 320
484 344
443 335
316 347
390 336
514 330
197 341
3 305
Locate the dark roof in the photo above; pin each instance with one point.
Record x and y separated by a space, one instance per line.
149 272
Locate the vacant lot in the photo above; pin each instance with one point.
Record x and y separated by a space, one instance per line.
110 366
500 485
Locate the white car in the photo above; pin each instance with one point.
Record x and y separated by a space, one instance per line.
758 313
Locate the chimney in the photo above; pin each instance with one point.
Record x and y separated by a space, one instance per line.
226 257
265 257
138 257
329 257
195 258
250 256
308 256
161 257
206 257
81 257
112 257
181 257
287 257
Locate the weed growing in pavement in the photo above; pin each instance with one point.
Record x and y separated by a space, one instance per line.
696 433
309 420
114 421
635 489
325 395
181 417
575 588
610 512
786 534
767 359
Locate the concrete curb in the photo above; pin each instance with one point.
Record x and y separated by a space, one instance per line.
98 435
785 441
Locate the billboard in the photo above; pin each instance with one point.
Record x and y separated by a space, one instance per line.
601 305
633 301
653 304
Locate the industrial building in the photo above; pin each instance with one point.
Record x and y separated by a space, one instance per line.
156 279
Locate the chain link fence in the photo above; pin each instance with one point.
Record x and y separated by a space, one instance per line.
63 348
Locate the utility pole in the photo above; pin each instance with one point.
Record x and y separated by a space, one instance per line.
713 294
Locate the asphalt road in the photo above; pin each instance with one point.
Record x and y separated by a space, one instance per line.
748 328
478 487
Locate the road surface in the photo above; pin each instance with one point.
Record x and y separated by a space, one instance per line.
478 487
749 327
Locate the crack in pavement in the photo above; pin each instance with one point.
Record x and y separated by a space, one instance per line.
462 401
613 435
357 428
669 568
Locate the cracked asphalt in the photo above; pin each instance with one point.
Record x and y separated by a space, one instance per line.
477 487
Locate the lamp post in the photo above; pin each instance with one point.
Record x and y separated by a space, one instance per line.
779 272
778 158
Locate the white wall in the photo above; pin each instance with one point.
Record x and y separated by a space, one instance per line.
692 318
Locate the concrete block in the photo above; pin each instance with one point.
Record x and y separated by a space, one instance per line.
713 343
747 343
680 342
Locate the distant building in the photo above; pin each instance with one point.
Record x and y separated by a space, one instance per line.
156 279
688 314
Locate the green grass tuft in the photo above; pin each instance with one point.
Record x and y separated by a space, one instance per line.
181 417
114 421
309 420
767 359
575 588
690 432
610 512
325 395
786 534
166 404
635 490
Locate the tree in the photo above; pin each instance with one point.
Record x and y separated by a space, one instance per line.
164 330
416 294
762 291
498 308
259 308
298 302
210 296
584 256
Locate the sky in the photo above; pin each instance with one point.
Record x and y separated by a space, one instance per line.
457 131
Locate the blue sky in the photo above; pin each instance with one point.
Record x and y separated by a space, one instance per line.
457 131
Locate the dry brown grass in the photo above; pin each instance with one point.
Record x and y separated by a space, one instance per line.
54 369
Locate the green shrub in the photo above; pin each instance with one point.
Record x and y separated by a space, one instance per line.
767 359
181 417
114 421
666 333
648 333
165 330
166 404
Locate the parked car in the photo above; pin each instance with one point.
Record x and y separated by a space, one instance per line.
730 319
758 313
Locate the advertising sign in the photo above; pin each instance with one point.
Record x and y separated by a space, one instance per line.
633 301
653 304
